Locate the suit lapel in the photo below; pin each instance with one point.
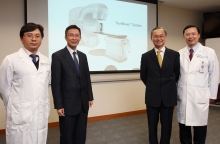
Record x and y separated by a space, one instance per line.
26 59
186 54
165 57
43 64
198 52
80 62
69 59
154 57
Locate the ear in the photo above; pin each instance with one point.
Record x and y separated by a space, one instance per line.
21 39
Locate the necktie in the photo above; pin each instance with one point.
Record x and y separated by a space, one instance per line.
76 61
159 58
34 58
191 54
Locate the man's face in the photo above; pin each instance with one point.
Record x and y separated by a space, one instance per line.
73 38
158 38
191 36
32 40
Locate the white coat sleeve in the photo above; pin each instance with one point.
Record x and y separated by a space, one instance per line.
6 79
213 75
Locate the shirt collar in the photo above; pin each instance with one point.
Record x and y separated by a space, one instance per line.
71 50
29 53
162 49
194 48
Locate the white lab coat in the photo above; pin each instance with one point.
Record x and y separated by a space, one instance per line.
197 84
24 90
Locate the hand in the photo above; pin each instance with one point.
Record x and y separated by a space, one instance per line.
60 112
90 103
211 100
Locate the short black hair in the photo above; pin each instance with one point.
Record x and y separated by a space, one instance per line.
29 27
72 27
156 28
191 26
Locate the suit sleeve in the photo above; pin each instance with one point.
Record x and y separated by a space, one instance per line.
143 71
89 86
213 75
56 74
6 80
177 66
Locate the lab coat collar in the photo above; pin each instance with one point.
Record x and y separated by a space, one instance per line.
26 59
198 52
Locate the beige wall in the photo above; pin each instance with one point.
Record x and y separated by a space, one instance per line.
110 97
174 20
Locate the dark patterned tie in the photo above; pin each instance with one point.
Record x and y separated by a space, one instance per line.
76 61
191 54
34 58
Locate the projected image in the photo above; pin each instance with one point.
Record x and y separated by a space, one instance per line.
114 33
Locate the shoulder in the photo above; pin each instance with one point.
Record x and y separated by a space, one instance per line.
182 50
211 50
59 52
79 52
9 60
148 53
10 57
44 57
171 50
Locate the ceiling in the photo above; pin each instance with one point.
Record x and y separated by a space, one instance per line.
197 5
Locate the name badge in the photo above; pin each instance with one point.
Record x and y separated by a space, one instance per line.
202 68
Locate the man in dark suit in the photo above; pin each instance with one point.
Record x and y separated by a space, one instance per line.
159 72
71 88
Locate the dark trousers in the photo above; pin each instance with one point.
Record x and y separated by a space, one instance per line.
199 135
73 128
165 114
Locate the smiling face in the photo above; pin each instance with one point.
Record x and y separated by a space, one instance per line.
73 38
158 38
32 40
191 36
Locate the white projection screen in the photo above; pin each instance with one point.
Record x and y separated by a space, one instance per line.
114 34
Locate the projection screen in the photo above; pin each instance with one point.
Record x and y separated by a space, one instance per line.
114 34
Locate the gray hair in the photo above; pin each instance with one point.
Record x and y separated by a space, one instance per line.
156 28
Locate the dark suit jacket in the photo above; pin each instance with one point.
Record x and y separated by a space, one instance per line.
160 82
70 90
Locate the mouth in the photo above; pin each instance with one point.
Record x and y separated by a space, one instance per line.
74 42
34 44
191 40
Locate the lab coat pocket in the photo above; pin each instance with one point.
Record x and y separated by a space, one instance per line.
202 95
21 113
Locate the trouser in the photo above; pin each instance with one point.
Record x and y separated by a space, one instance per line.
199 135
73 128
165 114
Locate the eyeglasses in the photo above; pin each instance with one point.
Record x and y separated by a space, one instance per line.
31 36
72 35
158 36
190 34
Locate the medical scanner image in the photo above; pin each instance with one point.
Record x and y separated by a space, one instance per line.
89 19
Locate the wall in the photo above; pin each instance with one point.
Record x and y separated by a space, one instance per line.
174 20
215 44
110 97
11 20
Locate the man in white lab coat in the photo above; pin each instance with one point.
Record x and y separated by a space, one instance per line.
24 80
197 86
